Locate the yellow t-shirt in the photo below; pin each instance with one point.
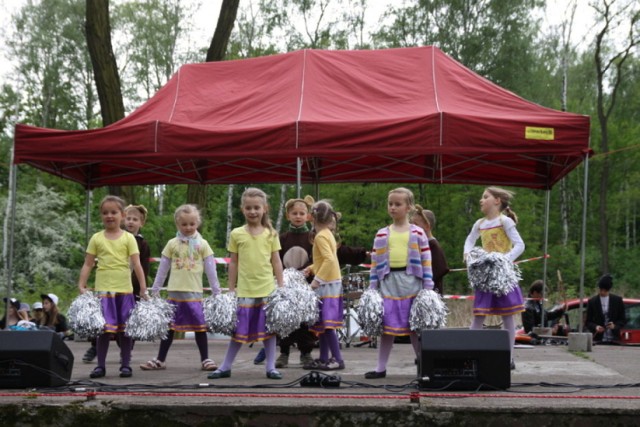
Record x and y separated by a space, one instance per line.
186 271
113 273
325 260
255 272
398 248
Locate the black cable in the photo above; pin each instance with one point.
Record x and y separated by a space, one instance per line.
391 388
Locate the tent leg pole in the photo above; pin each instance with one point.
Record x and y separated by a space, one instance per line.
583 244
546 247
8 249
87 216
298 177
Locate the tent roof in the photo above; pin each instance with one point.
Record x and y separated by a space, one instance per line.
395 115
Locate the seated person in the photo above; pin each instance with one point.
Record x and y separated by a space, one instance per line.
533 309
13 314
605 313
52 318
37 312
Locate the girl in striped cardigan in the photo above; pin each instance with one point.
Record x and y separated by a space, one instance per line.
400 268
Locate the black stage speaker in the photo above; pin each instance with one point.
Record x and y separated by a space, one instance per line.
464 359
33 359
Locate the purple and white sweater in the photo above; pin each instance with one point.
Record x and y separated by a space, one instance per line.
418 257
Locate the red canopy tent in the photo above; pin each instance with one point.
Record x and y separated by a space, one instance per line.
396 115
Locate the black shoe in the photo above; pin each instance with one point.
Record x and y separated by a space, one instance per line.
372 375
98 372
125 372
513 364
89 355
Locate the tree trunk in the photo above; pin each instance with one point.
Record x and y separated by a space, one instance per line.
105 69
226 20
229 212
197 193
566 47
283 199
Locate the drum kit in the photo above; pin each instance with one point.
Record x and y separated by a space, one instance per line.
353 285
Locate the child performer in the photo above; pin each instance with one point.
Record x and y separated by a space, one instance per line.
426 220
117 250
187 255
327 284
134 219
400 268
498 233
254 261
296 253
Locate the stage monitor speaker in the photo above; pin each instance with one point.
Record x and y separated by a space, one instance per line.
464 359
33 359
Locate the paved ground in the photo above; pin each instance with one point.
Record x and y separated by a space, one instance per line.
547 378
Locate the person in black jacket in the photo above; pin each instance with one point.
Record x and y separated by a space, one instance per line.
534 307
605 313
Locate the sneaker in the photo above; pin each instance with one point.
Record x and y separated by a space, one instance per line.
260 357
89 355
333 365
316 364
306 359
283 361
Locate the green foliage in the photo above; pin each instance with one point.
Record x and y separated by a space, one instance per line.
497 39
56 81
45 241
494 38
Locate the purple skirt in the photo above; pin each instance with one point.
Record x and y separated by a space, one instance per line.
398 290
488 304
330 307
189 315
252 319
116 308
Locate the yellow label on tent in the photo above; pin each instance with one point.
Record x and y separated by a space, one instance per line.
545 134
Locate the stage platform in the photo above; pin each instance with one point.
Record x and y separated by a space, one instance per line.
550 386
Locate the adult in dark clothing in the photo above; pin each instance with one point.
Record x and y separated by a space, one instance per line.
605 313
534 307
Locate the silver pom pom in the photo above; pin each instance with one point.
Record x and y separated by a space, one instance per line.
307 300
291 305
492 272
85 315
428 311
220 313
150 320
282 315
370 310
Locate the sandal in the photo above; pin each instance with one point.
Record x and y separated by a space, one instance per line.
153 365
98 372
125 372
209 365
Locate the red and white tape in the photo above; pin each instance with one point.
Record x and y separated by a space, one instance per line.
218 260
